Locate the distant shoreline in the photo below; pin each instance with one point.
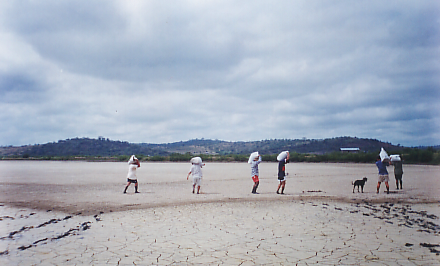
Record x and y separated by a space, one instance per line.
165 160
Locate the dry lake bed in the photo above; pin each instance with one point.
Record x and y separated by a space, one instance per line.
74 213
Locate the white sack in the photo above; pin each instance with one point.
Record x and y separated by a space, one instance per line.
282 156
384 155
132 159
196 160
253 156
395 158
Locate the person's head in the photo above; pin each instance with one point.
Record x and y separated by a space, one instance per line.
378 158
256 158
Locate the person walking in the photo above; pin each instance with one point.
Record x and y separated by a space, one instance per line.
282 173
383 174
398 172
255 173
196 171
133 164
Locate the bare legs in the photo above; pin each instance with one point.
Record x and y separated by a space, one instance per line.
194 188
135 187
281 185
386 185
254 189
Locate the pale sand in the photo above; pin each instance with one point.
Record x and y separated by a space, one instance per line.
318 221
89 188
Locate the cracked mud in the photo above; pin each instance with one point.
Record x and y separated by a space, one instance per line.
168 225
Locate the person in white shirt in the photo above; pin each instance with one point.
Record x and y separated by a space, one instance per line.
255 174
133 164
196 171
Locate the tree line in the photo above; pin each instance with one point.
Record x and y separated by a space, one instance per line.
409 156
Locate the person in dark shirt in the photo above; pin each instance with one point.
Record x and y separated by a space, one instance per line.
282 174
398 173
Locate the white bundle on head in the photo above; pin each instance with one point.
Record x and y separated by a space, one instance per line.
253 156
395 158
196 160
384 155
282 156
132 159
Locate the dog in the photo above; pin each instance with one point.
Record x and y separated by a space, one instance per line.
359 183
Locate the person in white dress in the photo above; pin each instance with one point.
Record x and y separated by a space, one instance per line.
133 164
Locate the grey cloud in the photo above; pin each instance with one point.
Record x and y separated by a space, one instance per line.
161 71
19 88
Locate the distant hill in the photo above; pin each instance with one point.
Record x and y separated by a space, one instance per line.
106 147
81 147
274 146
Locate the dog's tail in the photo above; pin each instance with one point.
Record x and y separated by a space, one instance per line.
352 182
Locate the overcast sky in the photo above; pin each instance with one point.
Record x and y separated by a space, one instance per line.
166 71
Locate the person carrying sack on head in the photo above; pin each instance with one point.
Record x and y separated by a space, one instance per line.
133 164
